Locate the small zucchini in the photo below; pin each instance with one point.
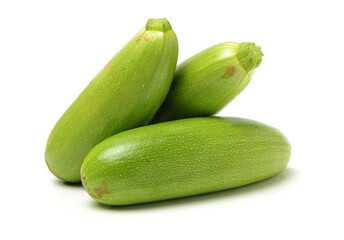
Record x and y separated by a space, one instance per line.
124 95
183 158
206 82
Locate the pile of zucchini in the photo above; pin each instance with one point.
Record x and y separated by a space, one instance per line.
143 130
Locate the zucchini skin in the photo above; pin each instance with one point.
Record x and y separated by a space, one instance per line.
183 158
124 95
209 80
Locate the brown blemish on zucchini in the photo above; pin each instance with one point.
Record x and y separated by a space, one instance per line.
84 183
229 72
140 37
83 180
103 189
109 65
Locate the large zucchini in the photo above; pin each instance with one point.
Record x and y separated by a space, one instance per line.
183 158
124 95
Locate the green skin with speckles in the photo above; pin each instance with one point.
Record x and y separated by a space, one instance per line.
124 95
209 80
183 158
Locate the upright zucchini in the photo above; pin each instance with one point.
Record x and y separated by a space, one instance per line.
124 95
183 158
206 82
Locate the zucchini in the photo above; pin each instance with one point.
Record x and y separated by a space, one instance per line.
124 95
208 81
183 158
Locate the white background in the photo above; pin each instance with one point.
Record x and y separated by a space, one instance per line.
50 51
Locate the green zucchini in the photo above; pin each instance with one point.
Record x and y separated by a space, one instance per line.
183 158
124 95
206 82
